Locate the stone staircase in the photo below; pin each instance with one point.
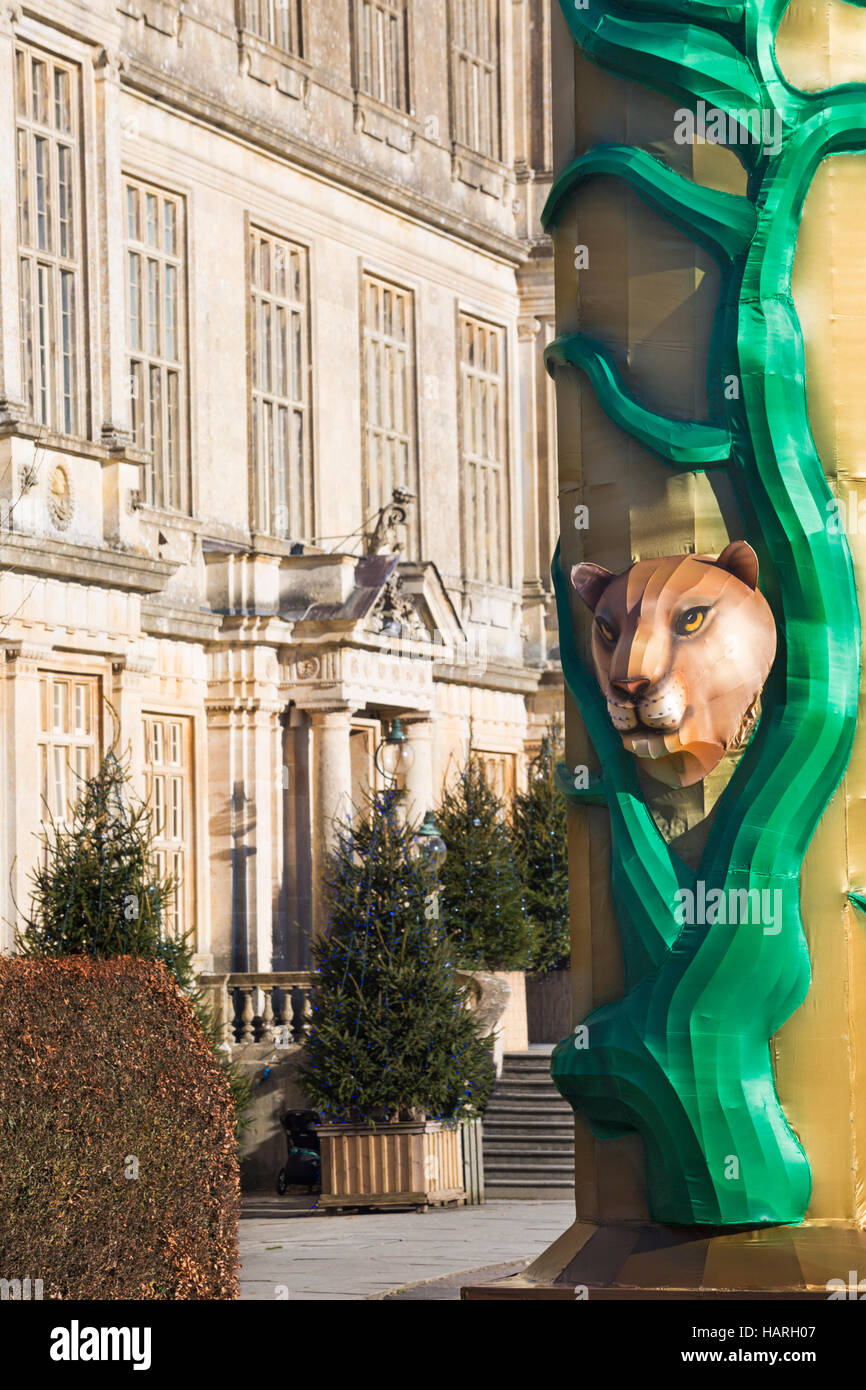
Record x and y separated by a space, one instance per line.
528 1132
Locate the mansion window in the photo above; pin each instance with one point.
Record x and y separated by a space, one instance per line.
475 58
156 340
49 238
501 772
280 371
68 740
279 22
167 771
383 51
484 449
390 454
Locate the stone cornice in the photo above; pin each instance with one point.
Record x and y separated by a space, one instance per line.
84 564
179 623
324 164
489 675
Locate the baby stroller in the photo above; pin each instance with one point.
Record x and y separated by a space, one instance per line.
304 1163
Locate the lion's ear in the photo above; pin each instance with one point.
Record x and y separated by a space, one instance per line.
740 560
590 581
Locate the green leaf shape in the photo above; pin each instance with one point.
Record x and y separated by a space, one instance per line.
723 223
685 444
591 795
686 62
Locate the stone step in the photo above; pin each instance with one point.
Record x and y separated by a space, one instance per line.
542 1110
548 1101
537 1152
559 1176
523 1095
495 1158
536 1138
519 1077
530 1161
556 1191
534 1126
528 1058
526 1086
528 1123
528 1131
526 1062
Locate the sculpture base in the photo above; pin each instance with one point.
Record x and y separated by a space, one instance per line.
648 1261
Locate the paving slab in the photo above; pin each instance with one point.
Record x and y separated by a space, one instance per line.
298 1254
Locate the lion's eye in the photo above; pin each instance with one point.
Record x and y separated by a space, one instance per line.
690 622
605 629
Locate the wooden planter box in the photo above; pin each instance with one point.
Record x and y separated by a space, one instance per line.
413 1164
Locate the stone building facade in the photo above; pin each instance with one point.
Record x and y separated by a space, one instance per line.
277 443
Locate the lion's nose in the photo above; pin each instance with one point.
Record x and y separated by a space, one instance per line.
633 688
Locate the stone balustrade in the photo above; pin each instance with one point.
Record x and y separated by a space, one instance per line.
271 1007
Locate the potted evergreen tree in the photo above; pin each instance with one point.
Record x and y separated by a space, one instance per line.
394 1057
539 837
482 894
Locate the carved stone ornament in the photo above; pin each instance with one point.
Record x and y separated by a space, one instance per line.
385 538
394 613
60 502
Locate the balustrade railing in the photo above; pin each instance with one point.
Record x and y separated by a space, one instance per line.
271 1006
274 1006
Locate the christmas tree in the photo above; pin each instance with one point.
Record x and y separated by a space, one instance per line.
538 827
96 890
482 897
391 1037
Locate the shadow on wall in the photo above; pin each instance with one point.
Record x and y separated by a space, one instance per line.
275 1088
548 1006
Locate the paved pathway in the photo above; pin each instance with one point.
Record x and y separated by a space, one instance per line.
291 1251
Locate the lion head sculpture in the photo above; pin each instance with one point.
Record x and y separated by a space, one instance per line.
682 647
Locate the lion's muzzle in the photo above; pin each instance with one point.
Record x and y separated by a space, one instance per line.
636 704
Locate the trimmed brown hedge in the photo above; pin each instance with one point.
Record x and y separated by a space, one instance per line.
102 1062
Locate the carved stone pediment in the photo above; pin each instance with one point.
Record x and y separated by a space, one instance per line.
393 601
397 613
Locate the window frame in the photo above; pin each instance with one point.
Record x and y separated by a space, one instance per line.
504 568
183 915
405 106
53 414
157 476
299 48
260 496
51 741
459 136
412 483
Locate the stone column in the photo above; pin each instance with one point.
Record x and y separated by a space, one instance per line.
11 388
332 791
246 837
112 386
111 398
420 791
528 329
22 810
127 675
